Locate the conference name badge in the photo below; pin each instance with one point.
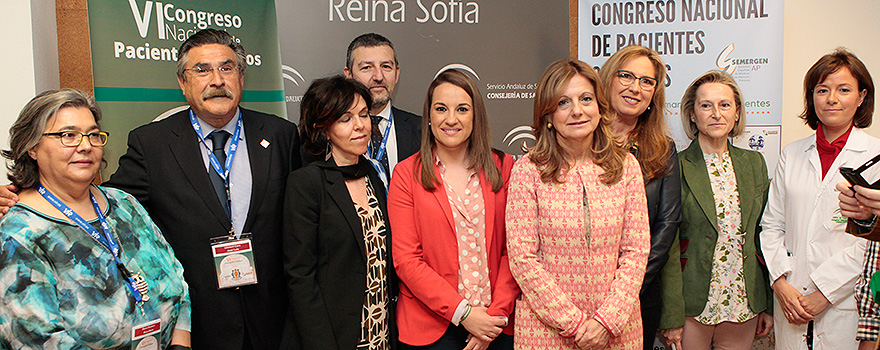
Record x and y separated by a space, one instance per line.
234 261
144 336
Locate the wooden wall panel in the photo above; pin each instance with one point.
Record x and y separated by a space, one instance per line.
74 51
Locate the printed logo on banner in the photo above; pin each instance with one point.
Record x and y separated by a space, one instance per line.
756 142
520 133
459 66
292 75
740 68
286 73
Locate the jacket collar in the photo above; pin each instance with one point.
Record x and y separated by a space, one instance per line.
696 175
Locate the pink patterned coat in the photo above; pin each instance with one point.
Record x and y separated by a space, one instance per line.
563 284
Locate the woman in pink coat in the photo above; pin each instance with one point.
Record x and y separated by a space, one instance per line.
577 227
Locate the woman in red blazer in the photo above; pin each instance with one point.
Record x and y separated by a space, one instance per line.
447 203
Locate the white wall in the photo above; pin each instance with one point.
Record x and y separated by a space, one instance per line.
814 28
31 59
17 83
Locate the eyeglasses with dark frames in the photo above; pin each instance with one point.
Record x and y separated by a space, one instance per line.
74 138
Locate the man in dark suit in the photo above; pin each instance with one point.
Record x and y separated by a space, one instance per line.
168 167
371 60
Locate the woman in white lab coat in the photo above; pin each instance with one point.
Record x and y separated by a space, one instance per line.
813 263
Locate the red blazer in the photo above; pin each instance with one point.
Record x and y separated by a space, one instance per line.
425 253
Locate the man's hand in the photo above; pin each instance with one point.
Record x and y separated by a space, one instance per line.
861 204
8 198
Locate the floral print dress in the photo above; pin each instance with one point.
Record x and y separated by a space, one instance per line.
727 289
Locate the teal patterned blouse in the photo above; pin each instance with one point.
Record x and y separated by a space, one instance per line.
61 289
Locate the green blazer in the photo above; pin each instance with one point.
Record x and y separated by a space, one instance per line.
698 234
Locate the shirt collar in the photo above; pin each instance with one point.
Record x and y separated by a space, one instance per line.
837 144
207 129
386 112
442 168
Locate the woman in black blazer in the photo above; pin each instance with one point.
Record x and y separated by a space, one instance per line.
337 244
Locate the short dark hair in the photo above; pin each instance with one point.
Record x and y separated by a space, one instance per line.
326 100
27 131
207 37
368 40
827 65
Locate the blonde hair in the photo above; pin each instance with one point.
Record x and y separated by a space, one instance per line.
688 101
650 131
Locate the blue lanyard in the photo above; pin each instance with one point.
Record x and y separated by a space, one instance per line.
379 169
381 151
223 172
106 241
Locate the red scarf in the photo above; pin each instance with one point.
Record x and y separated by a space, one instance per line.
828 151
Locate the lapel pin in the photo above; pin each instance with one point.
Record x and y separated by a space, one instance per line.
264 143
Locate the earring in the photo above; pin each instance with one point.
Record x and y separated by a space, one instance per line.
649 107
549 125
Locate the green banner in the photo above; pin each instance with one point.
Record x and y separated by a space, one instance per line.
134 57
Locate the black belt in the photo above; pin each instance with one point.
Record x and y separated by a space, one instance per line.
809 336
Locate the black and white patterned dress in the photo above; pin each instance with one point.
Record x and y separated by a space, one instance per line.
374 316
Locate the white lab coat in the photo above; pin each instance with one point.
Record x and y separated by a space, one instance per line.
803 238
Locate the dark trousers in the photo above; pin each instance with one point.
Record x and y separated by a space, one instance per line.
650 323
455 338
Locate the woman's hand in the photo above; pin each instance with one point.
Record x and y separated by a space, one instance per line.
594 337
475 343
673 336
790 303
814 303
765 324
481 325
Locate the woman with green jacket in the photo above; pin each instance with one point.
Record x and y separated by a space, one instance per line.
723 192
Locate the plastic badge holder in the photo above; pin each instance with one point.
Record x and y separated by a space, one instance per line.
854 176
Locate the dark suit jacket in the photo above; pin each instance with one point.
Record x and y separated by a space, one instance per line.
409 133
872 234
409 136
699 232
163 169
326 260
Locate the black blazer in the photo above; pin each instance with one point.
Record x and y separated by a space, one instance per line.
664 215
325 260
409 133
163 169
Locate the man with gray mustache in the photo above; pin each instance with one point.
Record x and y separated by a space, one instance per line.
218 170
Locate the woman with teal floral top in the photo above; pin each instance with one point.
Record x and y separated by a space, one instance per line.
723 192
81 266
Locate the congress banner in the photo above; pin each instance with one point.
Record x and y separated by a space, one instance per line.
503 45
741 37
134 46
